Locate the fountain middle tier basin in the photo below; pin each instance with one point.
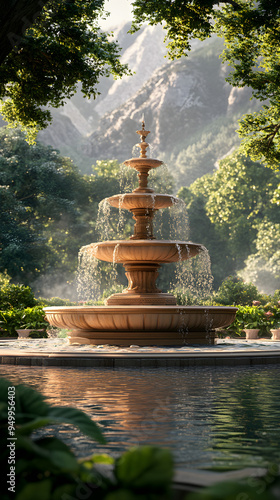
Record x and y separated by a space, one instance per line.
141 325
143 251
131 201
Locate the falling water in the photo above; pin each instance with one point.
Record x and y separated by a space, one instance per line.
172 223
128 179
193 276
97 279
121 219
88 279
113 223
104 222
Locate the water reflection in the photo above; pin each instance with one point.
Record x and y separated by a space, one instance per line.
210 418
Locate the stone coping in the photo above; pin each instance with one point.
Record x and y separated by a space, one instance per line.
250 353
187 480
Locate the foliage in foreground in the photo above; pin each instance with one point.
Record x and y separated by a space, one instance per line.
46 468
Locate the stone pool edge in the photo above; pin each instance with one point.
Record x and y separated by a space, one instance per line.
138 360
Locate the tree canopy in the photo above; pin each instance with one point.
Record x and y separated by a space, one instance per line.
233 214
62 46
16 17
252 35
42 200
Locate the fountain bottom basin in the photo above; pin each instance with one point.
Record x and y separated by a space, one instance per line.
141 325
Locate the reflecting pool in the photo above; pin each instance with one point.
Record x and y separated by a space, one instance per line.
218 418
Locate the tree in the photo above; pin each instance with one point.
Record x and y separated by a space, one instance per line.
252 49
63 46
227 210
263 267
16 17
42 200
251 33
183 20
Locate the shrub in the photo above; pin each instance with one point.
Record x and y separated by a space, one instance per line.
4 279
55 301
33 318
9 321
17 296
185 298
234 291
29 318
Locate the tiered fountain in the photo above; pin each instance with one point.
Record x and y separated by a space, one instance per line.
142 314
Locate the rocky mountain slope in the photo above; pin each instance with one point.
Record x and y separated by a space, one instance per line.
190 109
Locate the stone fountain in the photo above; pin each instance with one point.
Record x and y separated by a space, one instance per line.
142 314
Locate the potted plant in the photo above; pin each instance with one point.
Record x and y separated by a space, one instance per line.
251 333
32 323
251 320
276 331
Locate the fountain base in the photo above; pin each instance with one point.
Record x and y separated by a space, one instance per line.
142 299
126 339
141 325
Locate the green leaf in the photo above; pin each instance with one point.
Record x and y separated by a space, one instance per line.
27 429
30 402
78 419
67 492
146 467
64 461
57 453
36 491
123 494
97 459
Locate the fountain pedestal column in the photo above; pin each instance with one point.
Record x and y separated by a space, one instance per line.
143 228
142 287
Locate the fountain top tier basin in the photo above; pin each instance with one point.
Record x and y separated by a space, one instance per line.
136 200
143 251
143 164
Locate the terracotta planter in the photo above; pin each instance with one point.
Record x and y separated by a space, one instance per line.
23 334
275 334
251 333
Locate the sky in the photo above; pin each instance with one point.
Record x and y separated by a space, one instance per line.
120 12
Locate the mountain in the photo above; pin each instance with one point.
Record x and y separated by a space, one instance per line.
190 109
143 57
144 52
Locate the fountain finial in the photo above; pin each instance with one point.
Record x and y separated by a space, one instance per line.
143 144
